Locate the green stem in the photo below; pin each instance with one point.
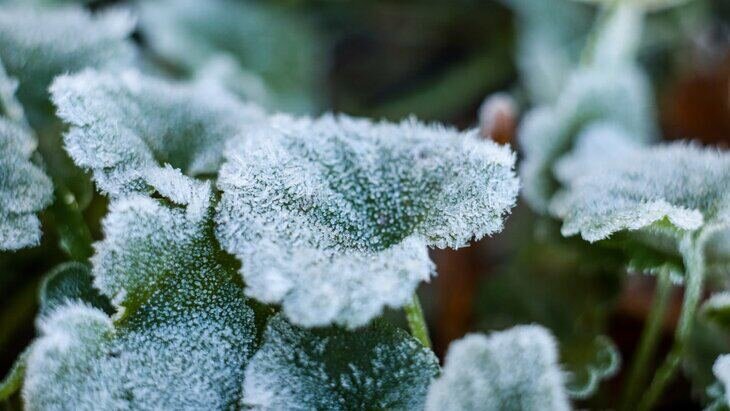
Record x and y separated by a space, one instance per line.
416 321
692 252
648 342
14 380
73 234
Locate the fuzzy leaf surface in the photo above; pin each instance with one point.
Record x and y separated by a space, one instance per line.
331 217
376 367
516 369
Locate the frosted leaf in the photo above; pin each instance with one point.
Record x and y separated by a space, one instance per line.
252 40
616 95
184 331
663 190
721 369
24 188
516 369
36 44
377 367
331 217
717 309
127 125
70 281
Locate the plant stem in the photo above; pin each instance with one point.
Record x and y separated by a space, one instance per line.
14 380
73 234
692 253
416 321
647 343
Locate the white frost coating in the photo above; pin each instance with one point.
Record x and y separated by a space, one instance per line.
127 125
615 94
184 331
721 369
331 217
24 188
639 186
515 369
377 367
37 44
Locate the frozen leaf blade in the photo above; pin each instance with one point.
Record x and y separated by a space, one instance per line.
70 282
127 126
516 369
376 367
331 217
183 331
24 188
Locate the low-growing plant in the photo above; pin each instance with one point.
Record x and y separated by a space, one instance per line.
253 259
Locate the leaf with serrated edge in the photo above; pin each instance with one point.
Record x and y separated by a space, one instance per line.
376 367
184 330
127 125
516 369
331 217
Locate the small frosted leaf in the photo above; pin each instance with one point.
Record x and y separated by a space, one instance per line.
70 282
376 367
184 330
331 217
721 369
238 42
617 95
516 369
664 189
24 188
596 361
127 125
36 44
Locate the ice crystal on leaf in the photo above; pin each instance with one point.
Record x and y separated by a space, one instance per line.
36 44
721 369
183 332
376 367
331 217
663 190
242 43
516 369
127 125
24 188
597 94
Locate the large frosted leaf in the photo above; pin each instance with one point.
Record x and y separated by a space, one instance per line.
249 39
515 369
617 95
377 367
613 185
24 188
36 44
127 125
331 217
184 330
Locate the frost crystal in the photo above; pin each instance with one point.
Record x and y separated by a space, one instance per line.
240 42
630 187
515 369
184 331
331 217
721 369
618 95
377 367
24 188
127 125
37 44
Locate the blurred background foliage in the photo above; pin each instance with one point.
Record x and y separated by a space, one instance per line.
437 60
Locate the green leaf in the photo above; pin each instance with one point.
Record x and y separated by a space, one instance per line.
238 42
332 216
24 188
71 282
516 369
127 125
36 44
588 364
717 309
376 367
657 193
184 330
